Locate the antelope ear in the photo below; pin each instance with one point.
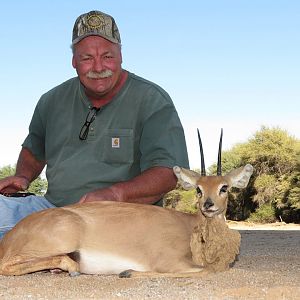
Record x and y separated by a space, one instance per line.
187 179
240 177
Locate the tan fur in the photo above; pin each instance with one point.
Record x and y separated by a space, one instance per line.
214 246
126 238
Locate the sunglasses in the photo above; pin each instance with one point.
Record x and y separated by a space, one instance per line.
88 121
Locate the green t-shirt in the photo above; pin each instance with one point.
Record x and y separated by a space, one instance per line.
137 130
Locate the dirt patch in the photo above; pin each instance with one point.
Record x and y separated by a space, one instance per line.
268 268
254 226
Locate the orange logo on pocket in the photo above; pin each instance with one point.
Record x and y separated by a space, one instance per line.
115 142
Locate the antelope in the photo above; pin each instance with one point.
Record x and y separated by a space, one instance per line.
132 240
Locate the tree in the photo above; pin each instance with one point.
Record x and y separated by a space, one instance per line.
273 192
272 151
275 185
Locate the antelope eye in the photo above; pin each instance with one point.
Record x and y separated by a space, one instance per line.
224 189
199 192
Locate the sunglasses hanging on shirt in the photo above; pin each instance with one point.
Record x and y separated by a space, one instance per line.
88 121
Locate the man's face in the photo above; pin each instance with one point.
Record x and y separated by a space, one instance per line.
98 64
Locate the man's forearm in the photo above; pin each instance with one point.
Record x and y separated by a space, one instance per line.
28 166
146 188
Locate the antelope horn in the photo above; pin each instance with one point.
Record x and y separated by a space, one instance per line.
203 173
219 167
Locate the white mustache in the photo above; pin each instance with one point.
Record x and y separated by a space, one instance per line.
99 75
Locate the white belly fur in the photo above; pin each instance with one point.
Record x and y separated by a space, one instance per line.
93 262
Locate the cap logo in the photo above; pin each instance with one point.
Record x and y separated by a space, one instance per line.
95 21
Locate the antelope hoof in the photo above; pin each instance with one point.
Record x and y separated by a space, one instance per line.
74 274
125 274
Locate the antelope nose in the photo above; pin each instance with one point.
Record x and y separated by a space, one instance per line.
208 203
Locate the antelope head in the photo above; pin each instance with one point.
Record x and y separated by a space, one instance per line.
212 191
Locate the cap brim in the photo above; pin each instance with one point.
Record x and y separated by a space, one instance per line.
78 39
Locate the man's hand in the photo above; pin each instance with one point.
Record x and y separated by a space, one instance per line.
106 194
28 168
13 184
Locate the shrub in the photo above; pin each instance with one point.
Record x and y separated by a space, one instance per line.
181 200
264 214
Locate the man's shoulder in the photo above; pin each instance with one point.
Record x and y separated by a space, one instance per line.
142 83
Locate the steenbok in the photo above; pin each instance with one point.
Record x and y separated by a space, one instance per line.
132 240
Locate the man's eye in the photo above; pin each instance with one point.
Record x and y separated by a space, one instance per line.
199 192
86 58
224 189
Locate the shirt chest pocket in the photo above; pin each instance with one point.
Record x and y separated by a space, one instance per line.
118 146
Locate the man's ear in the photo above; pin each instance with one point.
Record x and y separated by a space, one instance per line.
73 62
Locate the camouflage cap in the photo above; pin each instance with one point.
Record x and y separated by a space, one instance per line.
96 23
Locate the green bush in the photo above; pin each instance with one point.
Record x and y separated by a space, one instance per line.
181 200
188 202
264 214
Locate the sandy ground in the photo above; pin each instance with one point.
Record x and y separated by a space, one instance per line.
268 268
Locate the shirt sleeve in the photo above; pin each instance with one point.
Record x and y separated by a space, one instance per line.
163 141
35 140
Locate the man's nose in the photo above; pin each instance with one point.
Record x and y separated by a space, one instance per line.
98 64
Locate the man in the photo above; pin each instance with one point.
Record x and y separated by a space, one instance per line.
106 134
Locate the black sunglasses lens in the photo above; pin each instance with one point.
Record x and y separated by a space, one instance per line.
91 116
86 126
84 131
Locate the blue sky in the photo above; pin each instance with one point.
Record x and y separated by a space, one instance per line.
233 64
